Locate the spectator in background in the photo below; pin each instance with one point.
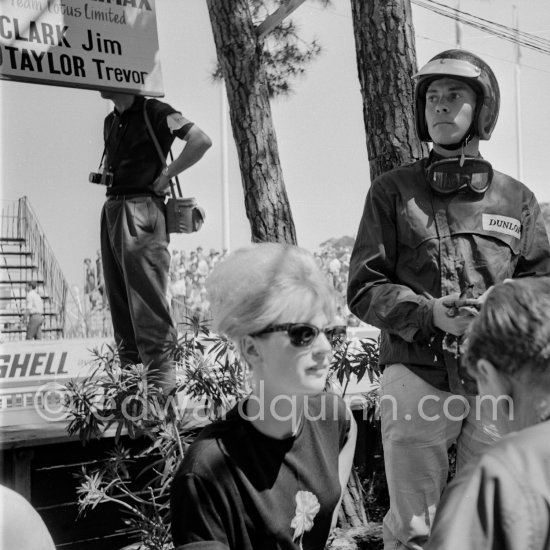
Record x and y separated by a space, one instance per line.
34 313
188 285
202 265
89 277
175 259
134 241
178 296
90 283
213 257
100 281
503 499
334 267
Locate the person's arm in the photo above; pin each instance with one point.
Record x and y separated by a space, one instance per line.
27 310
197 515
535 248
196 145
489 507
373 293
345 463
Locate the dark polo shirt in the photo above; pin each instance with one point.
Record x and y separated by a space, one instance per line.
130 154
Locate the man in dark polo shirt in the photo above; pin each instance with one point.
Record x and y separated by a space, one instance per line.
134 241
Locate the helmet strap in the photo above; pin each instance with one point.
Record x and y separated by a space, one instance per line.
462 143
462 154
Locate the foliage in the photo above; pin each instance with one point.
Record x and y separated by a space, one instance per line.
352 361
545 209
284 53
339 244
210 379
356 358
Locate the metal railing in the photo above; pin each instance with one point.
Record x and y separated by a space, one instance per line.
22 235
48 266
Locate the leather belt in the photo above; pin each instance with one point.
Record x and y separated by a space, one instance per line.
128 197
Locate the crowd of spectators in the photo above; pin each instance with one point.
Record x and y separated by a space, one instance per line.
93 284
333 257
189 269
188 272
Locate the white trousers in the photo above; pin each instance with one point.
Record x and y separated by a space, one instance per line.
419 424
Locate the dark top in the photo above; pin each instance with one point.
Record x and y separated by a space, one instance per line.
130 153
413 246
237 488
502 501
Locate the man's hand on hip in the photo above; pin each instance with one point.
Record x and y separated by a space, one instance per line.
161 186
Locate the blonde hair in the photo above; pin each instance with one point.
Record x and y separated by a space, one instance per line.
267 283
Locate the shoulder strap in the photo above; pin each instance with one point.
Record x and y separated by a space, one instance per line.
159 150
105 140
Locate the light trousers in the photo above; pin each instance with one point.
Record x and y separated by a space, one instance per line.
419 424
34 326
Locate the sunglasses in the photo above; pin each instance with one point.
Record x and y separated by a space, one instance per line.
447 176
303 334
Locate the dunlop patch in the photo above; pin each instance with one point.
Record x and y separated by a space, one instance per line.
502 224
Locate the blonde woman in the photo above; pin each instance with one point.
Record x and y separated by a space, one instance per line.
270 474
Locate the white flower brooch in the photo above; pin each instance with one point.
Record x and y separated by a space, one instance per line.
307 507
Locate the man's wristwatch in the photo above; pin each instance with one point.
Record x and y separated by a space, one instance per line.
165 172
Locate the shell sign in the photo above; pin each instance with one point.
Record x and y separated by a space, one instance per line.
33 375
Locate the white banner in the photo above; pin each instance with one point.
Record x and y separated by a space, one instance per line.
33 363
33 375
93 44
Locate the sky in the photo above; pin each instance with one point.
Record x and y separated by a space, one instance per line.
52 136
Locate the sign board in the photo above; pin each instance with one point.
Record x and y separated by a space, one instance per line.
33 375
93 44
33 388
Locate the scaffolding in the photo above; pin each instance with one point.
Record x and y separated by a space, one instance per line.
25 257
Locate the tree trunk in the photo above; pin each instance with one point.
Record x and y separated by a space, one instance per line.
386 60
352 513
240 57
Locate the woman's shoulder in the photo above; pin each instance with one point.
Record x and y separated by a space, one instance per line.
327 417
328 409
208 447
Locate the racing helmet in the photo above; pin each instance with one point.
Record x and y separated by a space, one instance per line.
465 66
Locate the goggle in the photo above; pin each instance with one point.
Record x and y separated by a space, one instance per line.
302 335
448 176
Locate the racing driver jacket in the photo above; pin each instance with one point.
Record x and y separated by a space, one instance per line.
414 246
